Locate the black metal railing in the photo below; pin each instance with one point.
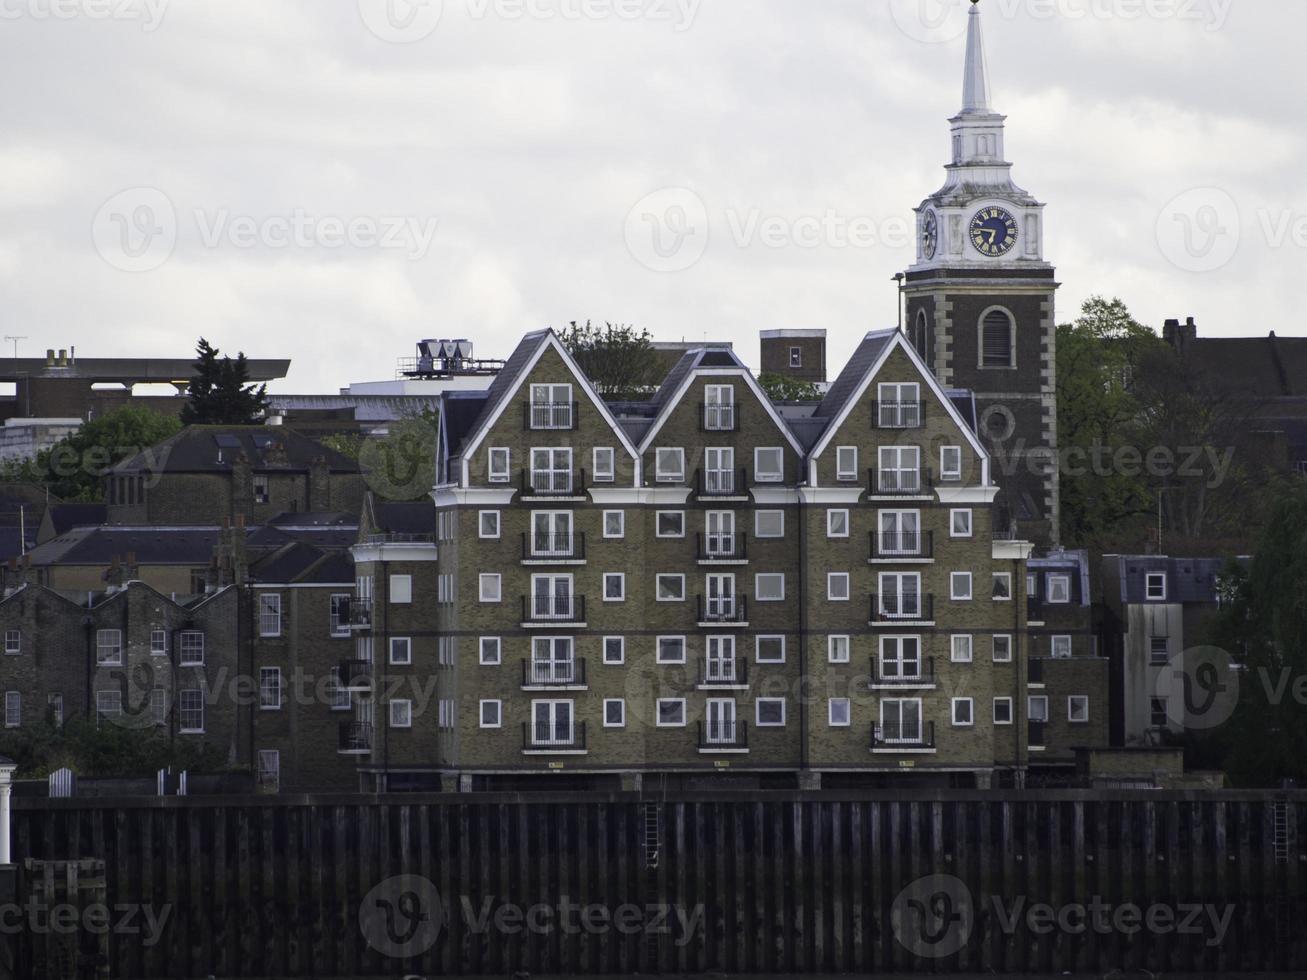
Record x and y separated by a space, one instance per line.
899 734
723 734
893 672
553 673
553 483
900 483
553 608
545 735
355 737
721 483
723 547
721 418
1037 733
898 415
726 609
903 544
539 546
907 606
360 613
355 675
550 416
731 672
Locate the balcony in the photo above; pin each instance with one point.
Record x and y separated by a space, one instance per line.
360 614
902 546
729 610
897 736
542 738
355 738
900 483
549 611
553 549
722 484
729 675
723 549
1036 735
724 736
553 485
721 418
550 416
898 415
903 673
562 675
397 537
356 676
901 610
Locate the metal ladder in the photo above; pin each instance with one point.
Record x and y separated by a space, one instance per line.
1281 846
652 836
1280 822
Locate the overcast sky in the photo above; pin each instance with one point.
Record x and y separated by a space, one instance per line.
332 180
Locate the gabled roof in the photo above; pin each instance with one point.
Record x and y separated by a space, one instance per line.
65 517
214 448
516 369
302 564
150 545
845 387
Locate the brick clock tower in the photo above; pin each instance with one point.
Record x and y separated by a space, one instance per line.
979 305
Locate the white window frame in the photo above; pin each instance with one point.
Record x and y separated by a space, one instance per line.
189 654
482 533
499 473
969 529
490 588
495 643
950 455
848 712
599 473
621 650
1002 577
620 578
994 651
669 474
757 712
13 643
757 527
660 578
111 640
1037 699
404 708
899 395
337 614
769 476
159 640
400 590
832 516
406 643
1155 577
833 582
839 648
499 713
197 695
957 703
961 586
658 713
621 524
270 689
108 705
658 649
846 463
757 586
962 648
1010 711
758 642
13 709
621 704
658 524
1052 587
269 607
1071 700
1060 640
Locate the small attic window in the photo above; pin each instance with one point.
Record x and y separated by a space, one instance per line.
796 357
227 441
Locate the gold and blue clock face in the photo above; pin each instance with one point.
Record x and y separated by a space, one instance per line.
993 231
929 235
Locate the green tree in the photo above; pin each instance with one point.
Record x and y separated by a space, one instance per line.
401 465
782 389
74 468
103 751
220 392
619 360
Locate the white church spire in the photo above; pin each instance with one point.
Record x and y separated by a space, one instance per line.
975 83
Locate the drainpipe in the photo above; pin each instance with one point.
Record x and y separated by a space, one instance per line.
381 719
803 639
1020 640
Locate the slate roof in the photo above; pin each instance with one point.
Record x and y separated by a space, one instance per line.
459 413
302 564
1189 580
504 383
65 517
214 448
691 361
846 385
151 545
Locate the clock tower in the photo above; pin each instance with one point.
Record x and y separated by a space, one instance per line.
979 305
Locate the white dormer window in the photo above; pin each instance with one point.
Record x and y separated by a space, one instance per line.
1059 589
551 407
1155 587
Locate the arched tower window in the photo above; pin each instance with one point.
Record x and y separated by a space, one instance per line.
919 336
997 339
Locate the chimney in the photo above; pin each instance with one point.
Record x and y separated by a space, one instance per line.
113 575
63 357
49 357
1180 336
131 569
319 485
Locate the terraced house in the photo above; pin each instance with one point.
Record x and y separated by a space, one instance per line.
707 584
